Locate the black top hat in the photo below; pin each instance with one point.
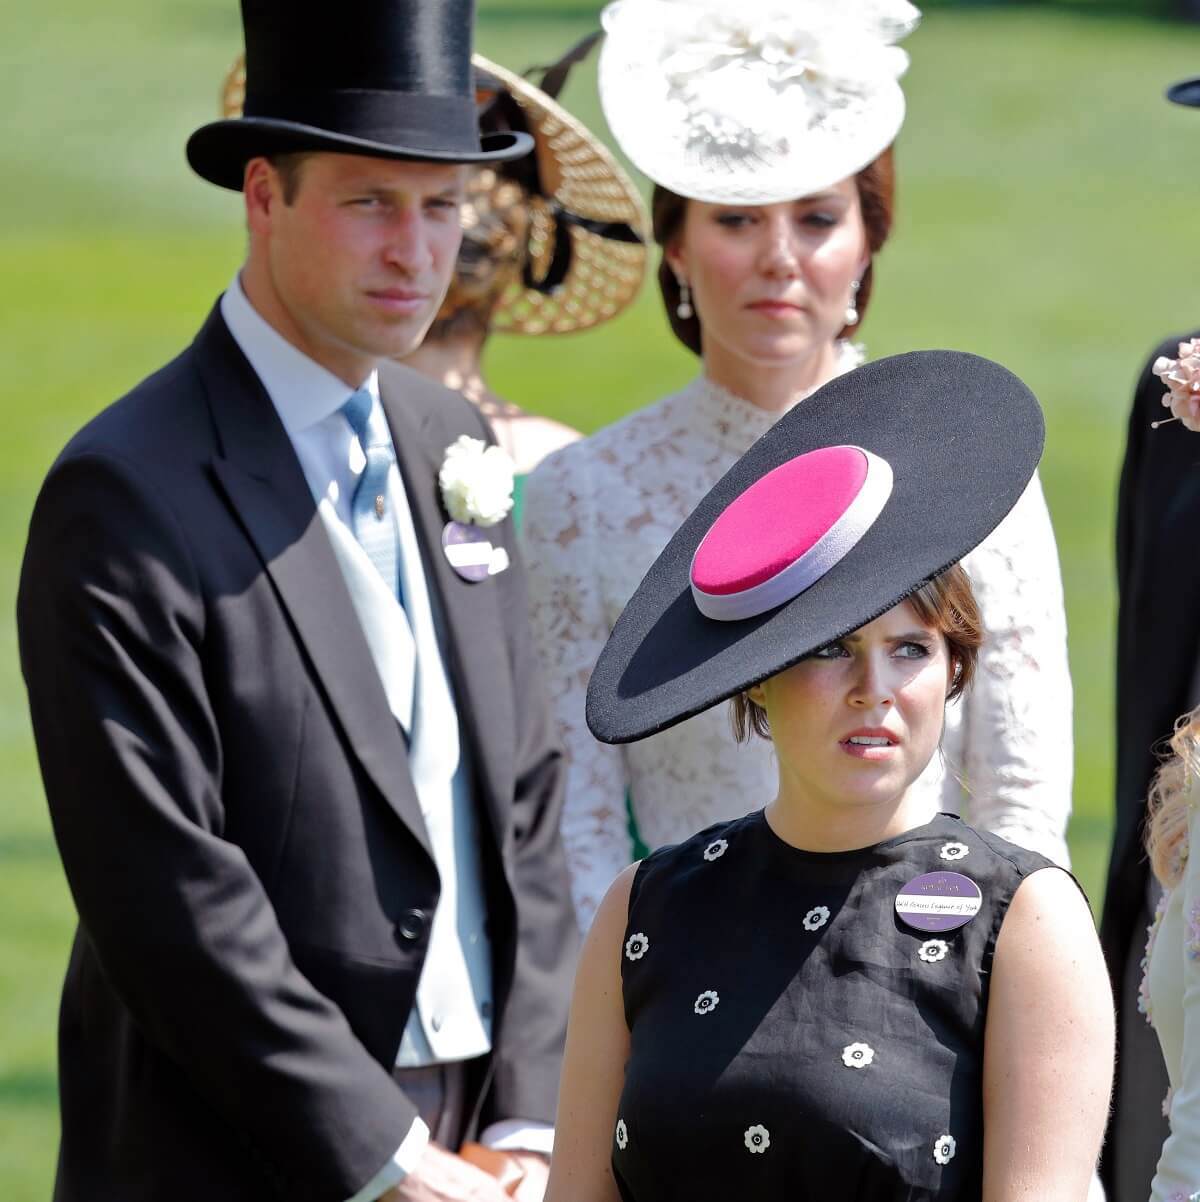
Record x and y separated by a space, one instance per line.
871 486
386 78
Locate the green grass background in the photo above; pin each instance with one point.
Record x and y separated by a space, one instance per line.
1047 218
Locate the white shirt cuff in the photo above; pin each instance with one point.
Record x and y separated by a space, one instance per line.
519 1135
401 1164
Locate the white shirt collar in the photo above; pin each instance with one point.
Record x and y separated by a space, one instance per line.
302 391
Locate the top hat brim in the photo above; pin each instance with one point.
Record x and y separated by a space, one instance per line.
1186 91
963 437
219 151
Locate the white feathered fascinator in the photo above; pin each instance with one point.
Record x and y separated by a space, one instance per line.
753 101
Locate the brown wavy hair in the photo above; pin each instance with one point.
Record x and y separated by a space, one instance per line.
876 184
946 604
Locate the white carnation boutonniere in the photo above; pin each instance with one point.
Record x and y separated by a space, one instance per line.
476 481
1182 379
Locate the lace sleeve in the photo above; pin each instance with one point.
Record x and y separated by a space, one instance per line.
1017 747
570 628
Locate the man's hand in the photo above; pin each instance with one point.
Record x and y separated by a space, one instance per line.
440 1176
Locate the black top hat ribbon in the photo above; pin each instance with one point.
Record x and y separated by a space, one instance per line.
873 485
384 78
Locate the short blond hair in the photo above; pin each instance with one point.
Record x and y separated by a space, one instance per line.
946 603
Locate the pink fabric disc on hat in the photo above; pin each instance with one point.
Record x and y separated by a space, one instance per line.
787 530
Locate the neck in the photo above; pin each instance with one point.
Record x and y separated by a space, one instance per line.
830 825
455 363
770 386
350 366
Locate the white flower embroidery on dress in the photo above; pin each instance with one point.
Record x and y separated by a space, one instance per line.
758 1138
954 851
636 946
816 918
933 950
944 1148
857 1055
622 1134
707 1002
715 850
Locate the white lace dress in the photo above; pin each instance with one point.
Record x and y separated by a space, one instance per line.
597 514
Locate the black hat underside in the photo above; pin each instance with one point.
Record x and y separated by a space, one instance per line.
219 151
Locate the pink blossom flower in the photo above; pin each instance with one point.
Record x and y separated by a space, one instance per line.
1182 378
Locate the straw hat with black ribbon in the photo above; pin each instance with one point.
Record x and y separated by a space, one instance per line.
878 482
553 242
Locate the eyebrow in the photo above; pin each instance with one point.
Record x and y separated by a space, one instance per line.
909 636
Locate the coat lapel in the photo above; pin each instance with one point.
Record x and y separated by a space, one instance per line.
474 643
258 470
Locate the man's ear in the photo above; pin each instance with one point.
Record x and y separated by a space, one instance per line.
260 190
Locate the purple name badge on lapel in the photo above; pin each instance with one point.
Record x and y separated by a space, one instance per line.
938 901
468 550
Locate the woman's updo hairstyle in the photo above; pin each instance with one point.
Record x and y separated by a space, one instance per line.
876 196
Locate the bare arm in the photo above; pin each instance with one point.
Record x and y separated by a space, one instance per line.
1048 1049
594 1065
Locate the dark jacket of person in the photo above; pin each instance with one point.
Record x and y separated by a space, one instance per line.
232 802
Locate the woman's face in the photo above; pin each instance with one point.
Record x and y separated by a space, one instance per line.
771 283
857 721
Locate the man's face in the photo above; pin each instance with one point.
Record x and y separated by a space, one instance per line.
354 268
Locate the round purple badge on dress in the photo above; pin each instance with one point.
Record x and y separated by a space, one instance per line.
938 901
468 550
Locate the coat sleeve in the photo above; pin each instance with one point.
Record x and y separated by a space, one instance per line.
570 627
111 624
1017 713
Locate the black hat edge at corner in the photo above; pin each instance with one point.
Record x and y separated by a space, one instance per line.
664 662
395 82
1185 92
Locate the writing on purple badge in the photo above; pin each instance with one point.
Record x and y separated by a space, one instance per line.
468 550
938 901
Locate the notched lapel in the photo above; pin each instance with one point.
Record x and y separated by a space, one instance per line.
471 612
263 480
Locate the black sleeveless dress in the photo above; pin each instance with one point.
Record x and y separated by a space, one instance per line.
792 1039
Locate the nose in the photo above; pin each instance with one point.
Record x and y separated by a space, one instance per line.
407 245
781 248
871 687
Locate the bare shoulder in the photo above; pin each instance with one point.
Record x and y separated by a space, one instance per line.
612 915
1047 904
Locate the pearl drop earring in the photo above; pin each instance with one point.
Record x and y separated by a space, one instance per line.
684 309
852 307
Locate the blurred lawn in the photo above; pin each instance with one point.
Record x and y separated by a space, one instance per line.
1046 219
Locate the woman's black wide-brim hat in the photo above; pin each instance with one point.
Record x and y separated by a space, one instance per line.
383 78
872 486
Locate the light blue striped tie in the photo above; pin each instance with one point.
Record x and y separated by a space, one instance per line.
369 511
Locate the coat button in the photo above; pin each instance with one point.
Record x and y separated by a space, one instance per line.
412 925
